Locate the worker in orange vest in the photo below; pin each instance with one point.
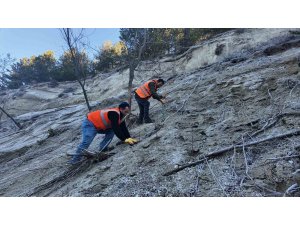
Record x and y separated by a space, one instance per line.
108 122
145 92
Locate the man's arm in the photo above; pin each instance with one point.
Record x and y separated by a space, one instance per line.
114 119
125 130
154 93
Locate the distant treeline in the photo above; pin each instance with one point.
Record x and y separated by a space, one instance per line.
45 67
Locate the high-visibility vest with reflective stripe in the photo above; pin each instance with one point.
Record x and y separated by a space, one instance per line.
100 118
144 90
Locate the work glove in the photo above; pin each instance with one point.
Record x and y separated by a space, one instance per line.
134 140
131 141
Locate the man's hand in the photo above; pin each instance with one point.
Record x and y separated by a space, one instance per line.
134 140
131 141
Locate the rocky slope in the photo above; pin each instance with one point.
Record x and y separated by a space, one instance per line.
242 86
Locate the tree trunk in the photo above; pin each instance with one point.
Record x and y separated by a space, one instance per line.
9 116
131 76
79 73
85 96
134 62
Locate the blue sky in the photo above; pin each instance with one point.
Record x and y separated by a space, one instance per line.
25 42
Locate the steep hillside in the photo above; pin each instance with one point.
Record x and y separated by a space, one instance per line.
234 91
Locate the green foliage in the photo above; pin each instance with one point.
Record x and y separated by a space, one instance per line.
160 42
65 70
110 56
32 70
164 41
45 68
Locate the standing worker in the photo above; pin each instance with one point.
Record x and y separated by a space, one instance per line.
108 122
143 93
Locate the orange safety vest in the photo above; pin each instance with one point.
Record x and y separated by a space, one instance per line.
144 90
100 118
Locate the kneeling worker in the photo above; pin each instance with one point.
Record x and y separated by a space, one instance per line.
108 122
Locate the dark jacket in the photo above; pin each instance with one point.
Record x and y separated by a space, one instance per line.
153 91
121 130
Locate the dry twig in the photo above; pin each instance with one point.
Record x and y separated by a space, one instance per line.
246 163
215 178
284 157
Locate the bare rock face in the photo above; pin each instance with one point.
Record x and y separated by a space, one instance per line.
234 89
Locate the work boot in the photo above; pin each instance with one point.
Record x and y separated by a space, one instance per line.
139 121
148 120
107 149
76 160
87 153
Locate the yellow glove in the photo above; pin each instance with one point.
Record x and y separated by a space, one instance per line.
134 140
131 141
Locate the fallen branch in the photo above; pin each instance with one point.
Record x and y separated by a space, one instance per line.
269 125
61 180
221 151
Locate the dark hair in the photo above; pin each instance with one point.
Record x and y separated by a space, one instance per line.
161 81
123 105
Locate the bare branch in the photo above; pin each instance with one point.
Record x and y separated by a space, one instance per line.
284 157
10 117
221 151
276 119
72 43
293 89
246 161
